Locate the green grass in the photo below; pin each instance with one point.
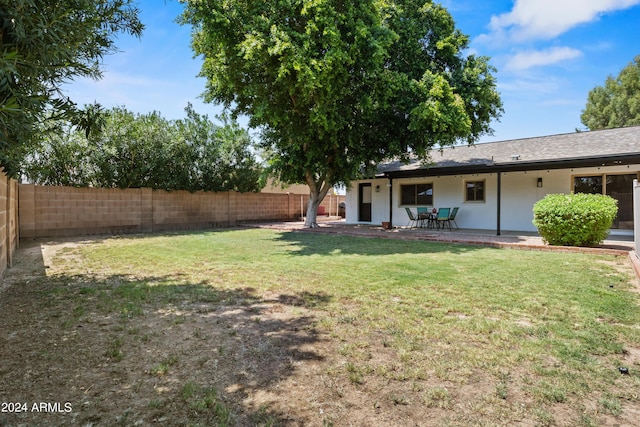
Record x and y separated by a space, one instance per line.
163 367
548 328
114 351
201 399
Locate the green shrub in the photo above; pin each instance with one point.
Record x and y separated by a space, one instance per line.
574 219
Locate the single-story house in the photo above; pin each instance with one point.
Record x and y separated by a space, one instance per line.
495 185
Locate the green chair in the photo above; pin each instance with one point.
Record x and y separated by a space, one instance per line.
413 219
452 218
443 218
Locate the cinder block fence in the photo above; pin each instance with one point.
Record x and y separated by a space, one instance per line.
8 221
66 211
32 211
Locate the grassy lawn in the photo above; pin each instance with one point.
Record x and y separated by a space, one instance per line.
264 327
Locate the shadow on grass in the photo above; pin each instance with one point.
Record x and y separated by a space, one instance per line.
319 243
125 351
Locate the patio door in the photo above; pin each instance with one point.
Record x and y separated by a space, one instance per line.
620 187
364 202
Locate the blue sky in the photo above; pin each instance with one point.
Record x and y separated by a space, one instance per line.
548 53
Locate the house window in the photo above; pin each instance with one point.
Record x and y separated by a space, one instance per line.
474 191
416 194
587 184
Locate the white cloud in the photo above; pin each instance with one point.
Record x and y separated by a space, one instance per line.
528 59
546 19
530 87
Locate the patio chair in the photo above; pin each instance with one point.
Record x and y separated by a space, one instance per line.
443 218
452 218
413 219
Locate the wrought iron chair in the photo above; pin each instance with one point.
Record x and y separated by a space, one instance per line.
424 215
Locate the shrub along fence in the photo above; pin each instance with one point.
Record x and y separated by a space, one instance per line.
48 211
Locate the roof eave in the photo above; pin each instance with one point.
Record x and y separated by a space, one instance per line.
516 166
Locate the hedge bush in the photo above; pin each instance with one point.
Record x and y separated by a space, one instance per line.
574 219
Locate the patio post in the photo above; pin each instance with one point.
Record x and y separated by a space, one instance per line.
498 207
391 202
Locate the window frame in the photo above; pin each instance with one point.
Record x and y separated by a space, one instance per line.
475 199
416 197
602 177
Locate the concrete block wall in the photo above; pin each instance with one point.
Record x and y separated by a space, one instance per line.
13 236
8 221
181 210
298 204
49 211
331 202
263 206
27 210
4 214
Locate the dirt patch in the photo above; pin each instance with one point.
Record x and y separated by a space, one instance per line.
67 359
74 352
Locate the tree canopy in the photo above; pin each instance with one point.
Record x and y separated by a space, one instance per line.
617 103
338 86
146 150
44 44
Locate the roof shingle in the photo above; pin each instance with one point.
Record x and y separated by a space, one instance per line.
601 144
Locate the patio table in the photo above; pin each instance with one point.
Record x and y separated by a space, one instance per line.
430 219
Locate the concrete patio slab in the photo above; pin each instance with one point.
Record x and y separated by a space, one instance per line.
614 245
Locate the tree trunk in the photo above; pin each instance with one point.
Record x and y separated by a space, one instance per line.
312 210
318 189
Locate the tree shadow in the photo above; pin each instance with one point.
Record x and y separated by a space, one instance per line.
123 351
306 243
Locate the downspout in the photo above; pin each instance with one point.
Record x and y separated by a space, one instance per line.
498 206
391 202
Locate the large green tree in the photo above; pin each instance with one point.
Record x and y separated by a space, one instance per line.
146 150
44 44
617 103
337 86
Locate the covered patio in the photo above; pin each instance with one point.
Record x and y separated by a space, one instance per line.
616 244
496 184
